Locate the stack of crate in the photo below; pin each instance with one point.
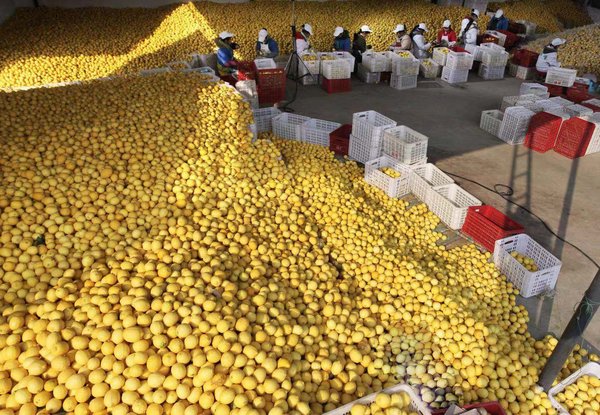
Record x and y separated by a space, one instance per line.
405 70
367 135
457 66
493 63
373 64
335 73
523 64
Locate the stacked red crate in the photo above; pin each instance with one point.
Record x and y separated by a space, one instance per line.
526 58
543 131
511 39
578 92
574 137
486 224
270 85
339 140
555 90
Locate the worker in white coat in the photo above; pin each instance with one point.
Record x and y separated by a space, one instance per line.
420 45
303 38
549 56
469 24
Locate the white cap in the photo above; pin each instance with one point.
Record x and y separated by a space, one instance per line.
499 13
365 28
558 41
447 24
338 31
224 35
262 35
422 27
308 28
475 12
399 28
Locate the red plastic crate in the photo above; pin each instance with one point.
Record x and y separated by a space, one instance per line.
542 132
511 39
270 78
271 95
385 77
524 57
493 408
555 90
246 71
339 140
574 137
336 85
458 49
486 224
593 107
578 95
517 28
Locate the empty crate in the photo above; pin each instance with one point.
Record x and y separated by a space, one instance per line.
486 224
405 144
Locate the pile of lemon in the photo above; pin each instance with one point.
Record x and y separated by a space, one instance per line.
391 172
386 404
581 397
524 260
154 261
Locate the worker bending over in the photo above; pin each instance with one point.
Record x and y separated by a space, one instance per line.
341 40
499 21
469 29
226 62
266 46
446 36
359 44
549 56
303 38
420 45
403 40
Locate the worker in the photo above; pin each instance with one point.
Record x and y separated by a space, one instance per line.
266 46
498 22
341 41
466 25
303 38
446 36
420 47
403 40
226 62
549 56
359 44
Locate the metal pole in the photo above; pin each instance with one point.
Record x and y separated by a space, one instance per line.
572 334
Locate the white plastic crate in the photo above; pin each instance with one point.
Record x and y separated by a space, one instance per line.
368 77
525 73
364 149
500 36
429 69
577 110
336 69
405 144
416 404
376 61
534 88
309 66
593 101
513 68
288 125
547 105
561 101
491 72
491 57
440 55
370 124
474 50
310 79
424 178
403 82
491 46
511 101
263 118
515 124
529 283
397 53
590 369
316 131
404 66
450 203
393 187
455 76
530 27
345 55
264 63
561 76
459 60
490 121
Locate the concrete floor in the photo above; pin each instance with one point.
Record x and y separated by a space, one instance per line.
563 192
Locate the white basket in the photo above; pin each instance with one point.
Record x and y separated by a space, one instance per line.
416 404
405 144
534 88
513 100
491 72
490 121
577 110
288 125
561 76
489 46
424 178
455 76
450 202
440 55
404 66
336 69
547 105
368 77
312 67
459 60
316 131
264 63
529 283
393 187
561 101
515 124
429 69
154 71
474 50
491 57
364 149
530 27
525 73
593 101
345 55
590 369
370 124
500 36
376 61
513 68
310 79
403 82
263 118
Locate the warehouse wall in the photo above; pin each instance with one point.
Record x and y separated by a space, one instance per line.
7 8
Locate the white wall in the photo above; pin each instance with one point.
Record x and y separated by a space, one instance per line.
7 8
